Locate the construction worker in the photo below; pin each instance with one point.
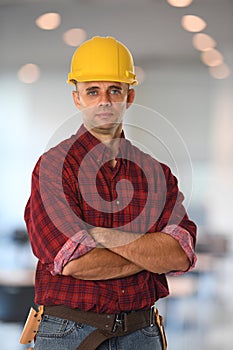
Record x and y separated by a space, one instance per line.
105 220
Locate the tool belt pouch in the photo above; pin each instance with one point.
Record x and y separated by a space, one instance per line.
32 324
160 323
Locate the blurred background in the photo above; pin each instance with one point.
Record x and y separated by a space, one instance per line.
183 53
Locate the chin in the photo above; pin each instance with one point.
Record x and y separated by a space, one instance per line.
107 126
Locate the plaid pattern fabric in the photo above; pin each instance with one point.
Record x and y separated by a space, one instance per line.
73 189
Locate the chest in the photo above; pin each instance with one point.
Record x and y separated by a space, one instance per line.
125 196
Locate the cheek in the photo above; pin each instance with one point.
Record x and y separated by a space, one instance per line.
86 104
120 108
88 113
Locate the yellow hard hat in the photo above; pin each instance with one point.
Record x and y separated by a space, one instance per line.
102 59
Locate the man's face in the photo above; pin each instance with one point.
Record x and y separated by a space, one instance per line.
103 104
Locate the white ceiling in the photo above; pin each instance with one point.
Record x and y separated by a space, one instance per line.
150 28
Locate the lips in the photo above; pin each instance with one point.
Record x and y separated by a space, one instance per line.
104 115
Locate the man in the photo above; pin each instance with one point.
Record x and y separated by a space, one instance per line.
105 220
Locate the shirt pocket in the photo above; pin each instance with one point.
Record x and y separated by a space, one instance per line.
143 212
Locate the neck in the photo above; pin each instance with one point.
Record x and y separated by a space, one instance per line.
110 137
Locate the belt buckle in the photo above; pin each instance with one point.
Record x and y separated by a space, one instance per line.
120 321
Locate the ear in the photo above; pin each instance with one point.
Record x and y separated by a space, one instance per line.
76 99
130 97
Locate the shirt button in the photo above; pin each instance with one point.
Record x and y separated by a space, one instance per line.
117 202
123 291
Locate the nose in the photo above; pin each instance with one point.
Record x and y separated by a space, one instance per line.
105 100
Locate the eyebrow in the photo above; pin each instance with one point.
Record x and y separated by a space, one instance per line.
98 88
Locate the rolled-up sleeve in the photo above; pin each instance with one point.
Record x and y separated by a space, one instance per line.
78 245
186 242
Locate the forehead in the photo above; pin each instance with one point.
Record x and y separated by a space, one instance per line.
101 84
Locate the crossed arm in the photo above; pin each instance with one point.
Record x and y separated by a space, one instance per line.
122 254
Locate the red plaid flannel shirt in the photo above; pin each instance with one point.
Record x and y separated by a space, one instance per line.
73 189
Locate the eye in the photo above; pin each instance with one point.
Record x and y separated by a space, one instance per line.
92 93
115 92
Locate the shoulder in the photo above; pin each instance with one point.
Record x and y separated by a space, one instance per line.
64 148
155 170
136 154
56 157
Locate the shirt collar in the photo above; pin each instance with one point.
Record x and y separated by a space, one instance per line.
100 152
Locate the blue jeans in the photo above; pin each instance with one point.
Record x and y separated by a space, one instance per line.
59 334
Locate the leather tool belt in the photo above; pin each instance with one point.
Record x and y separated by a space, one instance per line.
109 325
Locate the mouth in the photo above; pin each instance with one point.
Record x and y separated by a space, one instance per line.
104 115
